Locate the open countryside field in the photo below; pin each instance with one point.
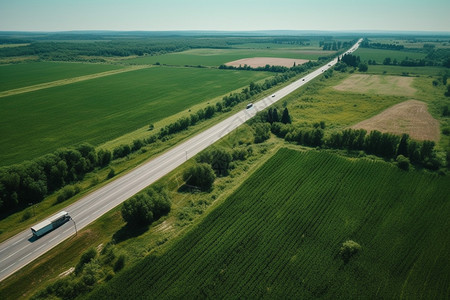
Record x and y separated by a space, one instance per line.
411 117
409 71
102 109
380 54
374 84
279 235
256 62
22 75
217 57
320 101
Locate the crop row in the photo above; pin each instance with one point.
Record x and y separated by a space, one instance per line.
279 235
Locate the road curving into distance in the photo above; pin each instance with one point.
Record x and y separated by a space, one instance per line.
21 249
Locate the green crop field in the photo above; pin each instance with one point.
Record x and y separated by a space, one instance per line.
21 75
216 57
401 70
102 109
279 235
380 54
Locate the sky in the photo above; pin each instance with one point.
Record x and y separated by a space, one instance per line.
224 15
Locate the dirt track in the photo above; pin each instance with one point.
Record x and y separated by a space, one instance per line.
411 117
61 82
256 62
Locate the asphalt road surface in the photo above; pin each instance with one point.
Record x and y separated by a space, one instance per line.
21 249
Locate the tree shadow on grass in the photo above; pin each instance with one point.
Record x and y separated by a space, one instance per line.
127 232
186 188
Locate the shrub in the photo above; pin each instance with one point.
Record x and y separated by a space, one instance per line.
348 249
200 176
262 132
68 192
26 215
137 211
85 258
403 162
111 173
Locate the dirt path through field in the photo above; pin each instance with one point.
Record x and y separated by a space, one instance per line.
61 82
411 117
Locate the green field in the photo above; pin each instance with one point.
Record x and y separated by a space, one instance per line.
380 54
21 75
217 57
278 236
411 71
102 109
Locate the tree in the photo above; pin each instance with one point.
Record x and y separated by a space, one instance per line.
85 258
403 146
447 93
200 176
348 249
275 117
262 132
387 61
137 211
403 162
426 151
218 158
362 67
286 118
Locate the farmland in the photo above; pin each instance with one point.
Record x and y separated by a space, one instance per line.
21 75
386 85
102 109
279 234
411 117
380 54
217 57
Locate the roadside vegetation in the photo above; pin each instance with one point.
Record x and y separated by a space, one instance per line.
269 239
371 179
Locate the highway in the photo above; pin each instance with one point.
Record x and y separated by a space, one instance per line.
22 249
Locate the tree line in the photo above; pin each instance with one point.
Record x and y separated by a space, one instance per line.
30 181
386 145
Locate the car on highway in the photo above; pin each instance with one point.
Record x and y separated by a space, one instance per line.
250 105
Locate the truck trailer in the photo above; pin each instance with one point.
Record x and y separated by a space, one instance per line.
51 223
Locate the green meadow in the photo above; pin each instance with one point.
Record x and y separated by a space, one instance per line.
15 76
380 54
278 236
411 71
217 57
102 109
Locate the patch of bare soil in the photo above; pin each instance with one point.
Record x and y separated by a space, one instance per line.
47 85
256 62
411 117
378 84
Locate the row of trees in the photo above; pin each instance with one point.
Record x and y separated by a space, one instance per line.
334 46
30 181
266 68
210 164
367 44
385 145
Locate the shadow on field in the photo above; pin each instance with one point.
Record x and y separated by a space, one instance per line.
127 232
186 188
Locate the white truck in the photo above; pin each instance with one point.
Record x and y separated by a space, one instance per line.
51 223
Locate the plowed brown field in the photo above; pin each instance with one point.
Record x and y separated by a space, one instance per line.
411 117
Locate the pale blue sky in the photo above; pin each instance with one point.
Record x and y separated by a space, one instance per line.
241 15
